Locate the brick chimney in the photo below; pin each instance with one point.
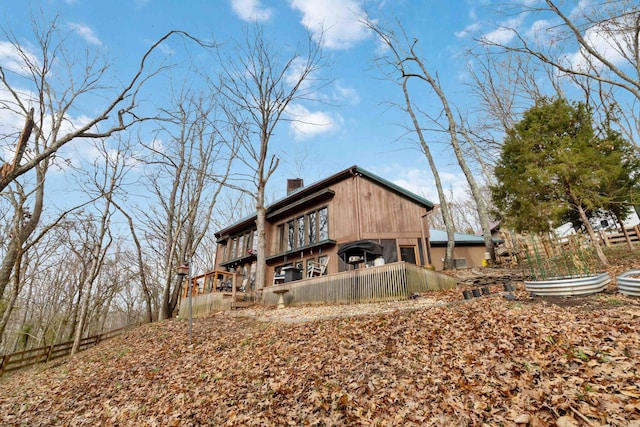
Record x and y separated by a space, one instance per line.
294 184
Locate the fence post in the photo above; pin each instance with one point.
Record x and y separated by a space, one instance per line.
5 360
49 353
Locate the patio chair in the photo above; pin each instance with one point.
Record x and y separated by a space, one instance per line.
278 278
317 268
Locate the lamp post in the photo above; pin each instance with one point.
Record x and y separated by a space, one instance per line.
185 270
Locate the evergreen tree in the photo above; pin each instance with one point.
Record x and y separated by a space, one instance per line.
553 162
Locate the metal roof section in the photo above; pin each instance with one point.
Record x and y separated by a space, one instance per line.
308 190
439 237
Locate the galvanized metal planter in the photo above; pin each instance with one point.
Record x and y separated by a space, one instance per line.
569 286
629 285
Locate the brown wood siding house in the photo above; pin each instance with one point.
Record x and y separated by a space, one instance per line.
312 222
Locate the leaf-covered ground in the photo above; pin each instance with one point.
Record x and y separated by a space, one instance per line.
433 361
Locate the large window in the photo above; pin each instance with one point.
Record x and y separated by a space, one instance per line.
241 244
311 228
408 254
301 232
323 224
291 227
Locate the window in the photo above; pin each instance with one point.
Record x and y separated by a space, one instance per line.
254 241
300 225
408 254
323 226
232 252
291 234
241 245
312 227
240 248
282 239
309 229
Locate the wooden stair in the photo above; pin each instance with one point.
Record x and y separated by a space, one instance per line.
242 304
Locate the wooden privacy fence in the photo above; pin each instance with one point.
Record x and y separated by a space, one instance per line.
22 359
389 282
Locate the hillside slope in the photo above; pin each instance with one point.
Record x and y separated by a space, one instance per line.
489 360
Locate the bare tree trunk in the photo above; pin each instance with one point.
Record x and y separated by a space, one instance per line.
453 133
196 170
12 301
140 262
444 206
627 238
592 235
257 87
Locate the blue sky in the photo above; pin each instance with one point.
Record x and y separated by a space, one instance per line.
356 125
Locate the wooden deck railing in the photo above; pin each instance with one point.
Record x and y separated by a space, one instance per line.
22 359
389 282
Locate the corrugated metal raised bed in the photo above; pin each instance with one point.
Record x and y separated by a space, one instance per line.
629 285
569 286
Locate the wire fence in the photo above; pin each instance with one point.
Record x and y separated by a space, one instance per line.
554 258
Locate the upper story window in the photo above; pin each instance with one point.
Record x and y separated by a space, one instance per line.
308 229
323 224
300 223
311 229
291 234
241 244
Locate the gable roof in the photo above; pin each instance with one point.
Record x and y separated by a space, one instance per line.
313 189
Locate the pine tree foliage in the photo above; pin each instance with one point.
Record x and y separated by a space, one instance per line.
554 164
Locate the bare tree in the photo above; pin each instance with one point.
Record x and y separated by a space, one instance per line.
410 66
259 85
98 237
138 260
608 38
185 178
45 88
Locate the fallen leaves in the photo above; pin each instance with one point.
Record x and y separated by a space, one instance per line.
432 361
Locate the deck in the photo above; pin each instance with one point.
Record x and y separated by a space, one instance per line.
390 282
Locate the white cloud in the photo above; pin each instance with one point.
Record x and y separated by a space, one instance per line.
11 123
469 29
85 32
609 44
335 22
342 93
421 182
307 124
499 36
540 31
295 70
251 10
505 32
14 60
